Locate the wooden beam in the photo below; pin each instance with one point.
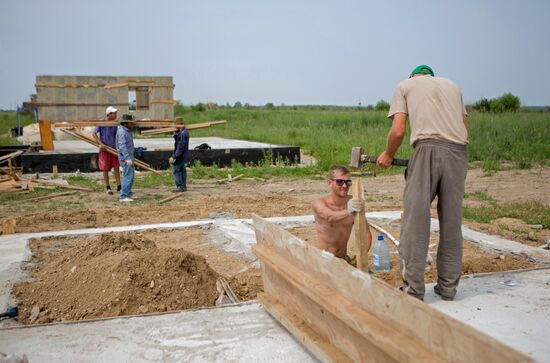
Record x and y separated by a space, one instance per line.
174 128
46 139
362 317
10 156
110 150
359 232
59 184
172 197
49 196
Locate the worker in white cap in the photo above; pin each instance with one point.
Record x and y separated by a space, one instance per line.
107 161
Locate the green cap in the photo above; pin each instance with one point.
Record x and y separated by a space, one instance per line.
423 69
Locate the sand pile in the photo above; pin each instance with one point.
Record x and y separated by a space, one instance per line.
110 275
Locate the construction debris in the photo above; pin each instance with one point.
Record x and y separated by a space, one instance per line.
17 183
230 178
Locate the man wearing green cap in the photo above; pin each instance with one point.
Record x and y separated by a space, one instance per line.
439 135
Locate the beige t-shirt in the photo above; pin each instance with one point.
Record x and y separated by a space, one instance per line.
434 106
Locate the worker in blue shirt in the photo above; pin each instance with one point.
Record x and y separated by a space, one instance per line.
125 148
179 158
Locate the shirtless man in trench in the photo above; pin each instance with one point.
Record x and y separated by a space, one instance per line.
334 213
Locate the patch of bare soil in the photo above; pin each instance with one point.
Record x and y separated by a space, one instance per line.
115 274
515 230
272 198
192 208
474 259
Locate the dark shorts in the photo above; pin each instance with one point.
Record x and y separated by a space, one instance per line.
107 161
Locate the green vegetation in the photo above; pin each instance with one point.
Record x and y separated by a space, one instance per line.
84 181
479 195
8 121
505 103
529 212
382 106
327 133
521 138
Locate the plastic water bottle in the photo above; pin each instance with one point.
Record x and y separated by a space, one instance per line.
381 255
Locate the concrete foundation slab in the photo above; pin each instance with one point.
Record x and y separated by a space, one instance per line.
513 307
241 333
165 143
72 155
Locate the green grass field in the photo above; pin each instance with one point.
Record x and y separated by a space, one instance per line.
519 140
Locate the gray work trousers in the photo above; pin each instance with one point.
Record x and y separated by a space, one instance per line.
437 168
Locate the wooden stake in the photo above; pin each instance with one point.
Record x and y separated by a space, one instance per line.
54 171
359 232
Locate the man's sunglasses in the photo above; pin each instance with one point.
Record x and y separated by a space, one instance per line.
341 182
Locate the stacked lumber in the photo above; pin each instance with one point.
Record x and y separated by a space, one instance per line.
175 127
86 123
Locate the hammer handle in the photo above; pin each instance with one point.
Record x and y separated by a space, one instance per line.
398 162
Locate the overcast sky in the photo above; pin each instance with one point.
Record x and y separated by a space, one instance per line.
291 52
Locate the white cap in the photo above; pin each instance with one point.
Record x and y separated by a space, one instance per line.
110 109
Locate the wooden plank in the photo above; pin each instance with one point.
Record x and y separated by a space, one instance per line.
347 321
49 196
172 197
58 184
74 104
359 232
174 128
164 130
110 150
10 156
46 139
348 307
164 102
316 344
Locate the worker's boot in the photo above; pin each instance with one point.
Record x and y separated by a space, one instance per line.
443 297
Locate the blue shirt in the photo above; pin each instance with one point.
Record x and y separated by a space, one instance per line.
124 143
107 135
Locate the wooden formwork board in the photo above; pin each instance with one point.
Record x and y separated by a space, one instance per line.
342 314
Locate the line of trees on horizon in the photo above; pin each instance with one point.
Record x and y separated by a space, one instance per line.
507 102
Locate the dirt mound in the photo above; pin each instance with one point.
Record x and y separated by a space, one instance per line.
112 275
117 242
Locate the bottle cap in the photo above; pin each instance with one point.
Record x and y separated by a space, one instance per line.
380 237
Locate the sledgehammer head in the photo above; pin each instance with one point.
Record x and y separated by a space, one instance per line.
356 156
